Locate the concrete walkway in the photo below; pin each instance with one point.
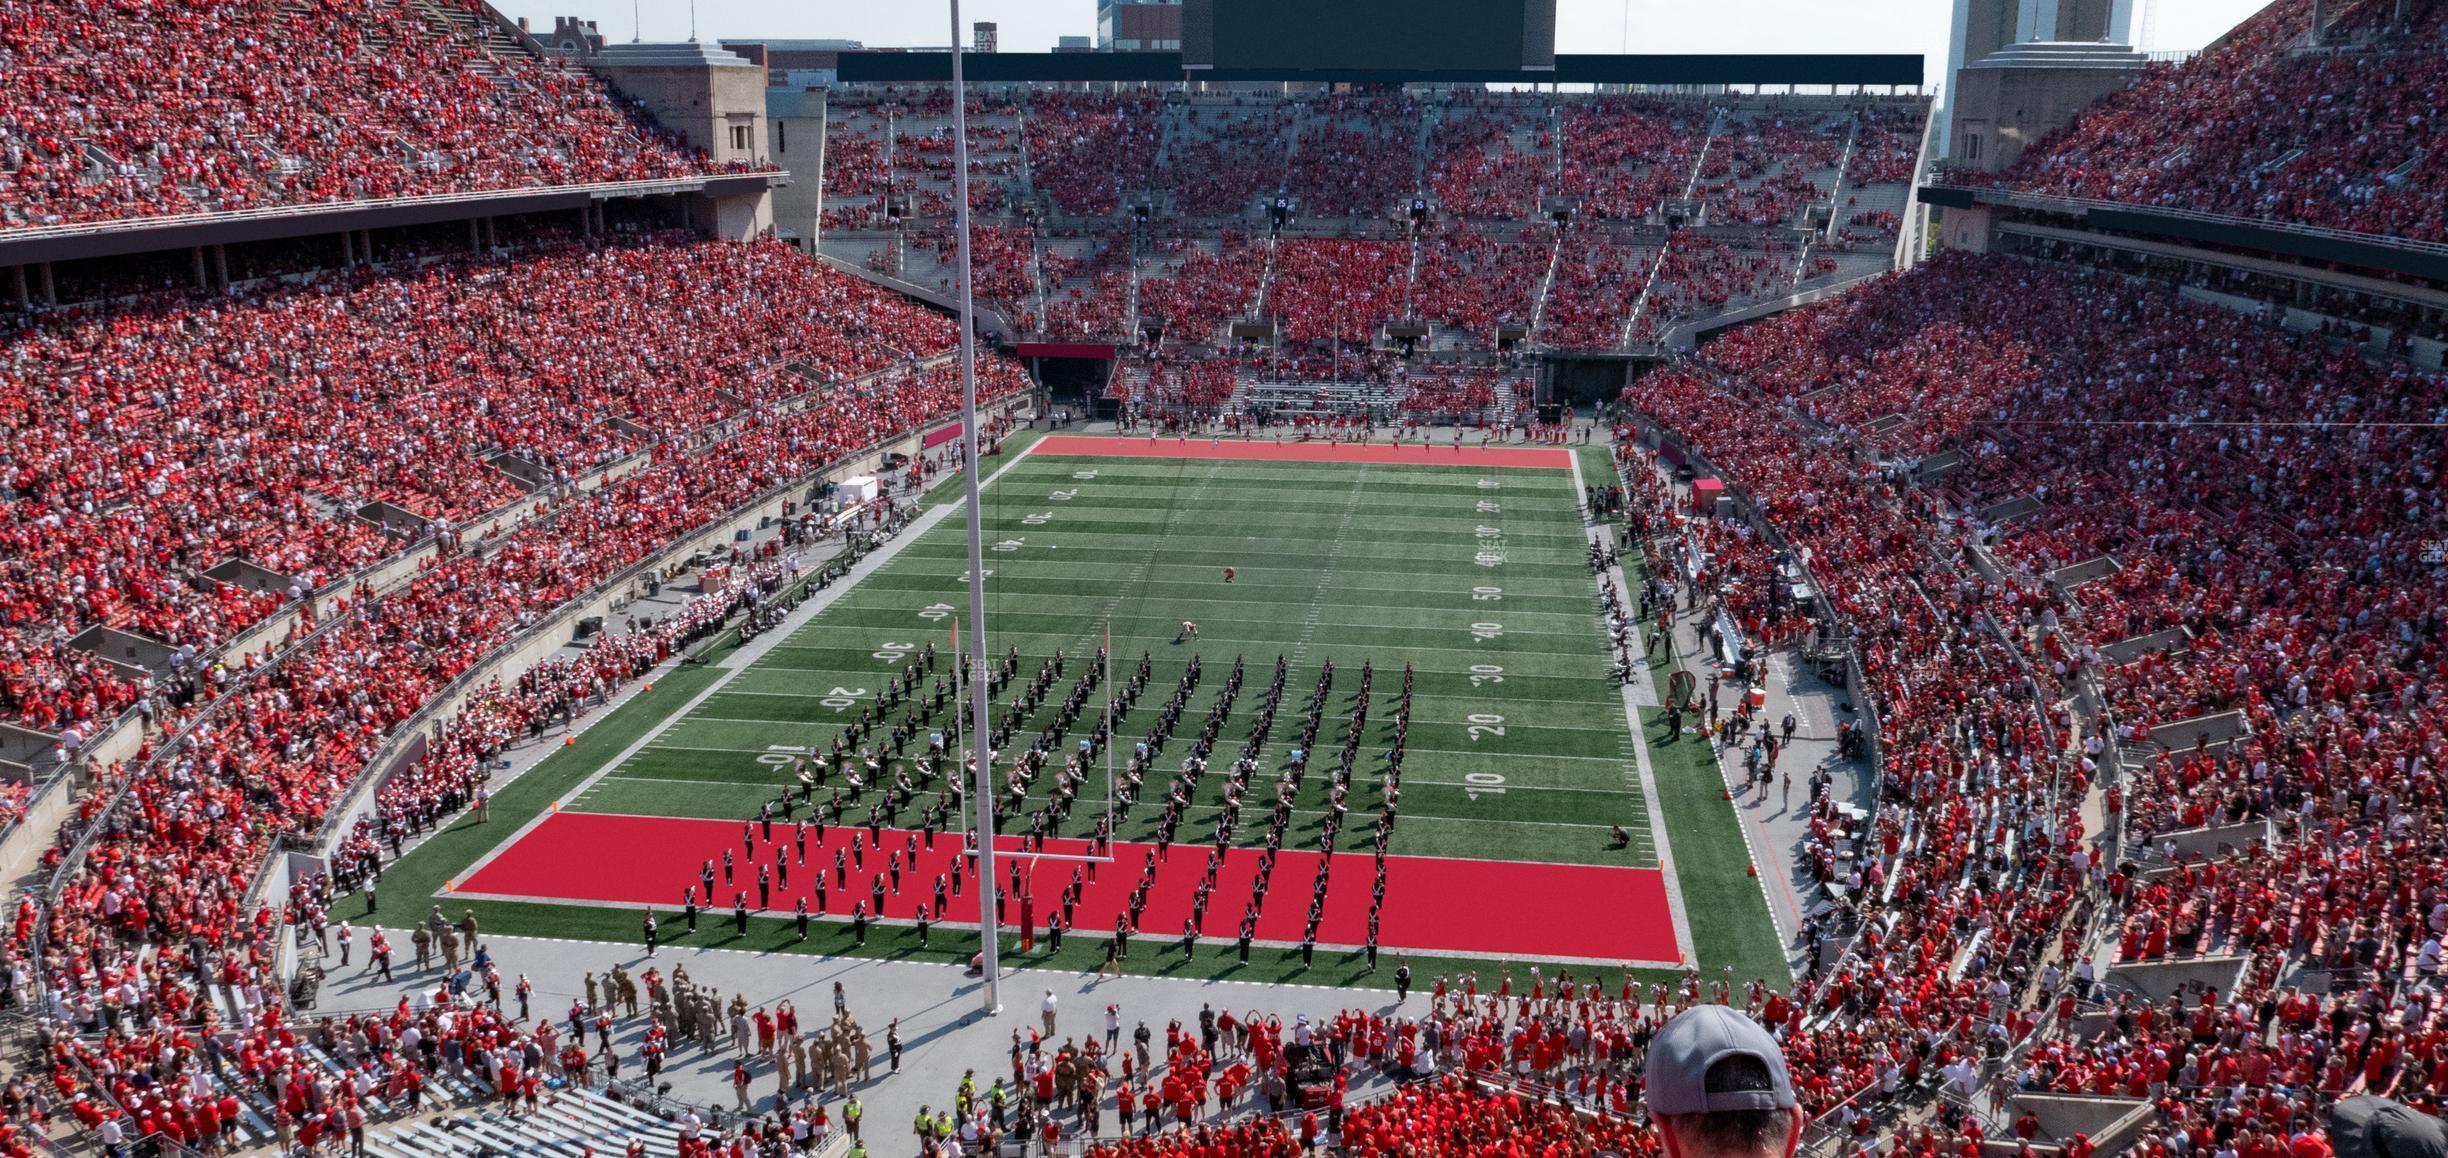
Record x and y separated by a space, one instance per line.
944 1027
1777 827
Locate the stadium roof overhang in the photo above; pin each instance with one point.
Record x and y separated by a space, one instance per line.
2371 251
1894 69
152 234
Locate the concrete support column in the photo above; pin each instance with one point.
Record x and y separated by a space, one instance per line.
17 282
197 253
50 289
348 248
221 264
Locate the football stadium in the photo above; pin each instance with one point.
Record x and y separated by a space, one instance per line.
1838 603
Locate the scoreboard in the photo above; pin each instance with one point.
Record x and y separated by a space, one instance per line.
1345 36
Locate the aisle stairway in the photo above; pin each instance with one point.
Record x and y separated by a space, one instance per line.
571 1123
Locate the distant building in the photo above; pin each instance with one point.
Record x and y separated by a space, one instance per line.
713 99
2009 99
982 36
1139 25
1074 44
570 36
1981 27
797 117
796 64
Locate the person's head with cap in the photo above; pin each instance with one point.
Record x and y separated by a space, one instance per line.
1718 1088
2382 1128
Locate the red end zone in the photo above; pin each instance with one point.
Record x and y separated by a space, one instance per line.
1546 457
1432 904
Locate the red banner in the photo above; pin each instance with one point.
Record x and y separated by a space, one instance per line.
935 438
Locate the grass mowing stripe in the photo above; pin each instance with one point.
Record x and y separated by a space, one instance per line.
1405 574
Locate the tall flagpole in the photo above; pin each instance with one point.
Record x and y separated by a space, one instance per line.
979 706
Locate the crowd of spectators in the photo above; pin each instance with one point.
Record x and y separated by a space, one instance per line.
1353 156
1220 159
1597 281
2174 440
1763 169
1705 274
1202 288
1623 156
2344 136
126 111
180 835
1478 165
140 454
857 175
1971 871
1887 143
1087 285
1195 385
1475 278
1002 261
1087 149
1338 289
1462 391
1485 161
153 443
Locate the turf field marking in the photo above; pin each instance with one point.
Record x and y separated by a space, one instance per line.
1208 943
1643 775
1417 717
1334 558
1145 641
1482 754
1138 571
745 657
1452 596
696 719
1515 787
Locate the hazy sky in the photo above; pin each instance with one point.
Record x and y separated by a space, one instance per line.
1581 25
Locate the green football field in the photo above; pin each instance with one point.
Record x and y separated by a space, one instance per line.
1519 746
1518 750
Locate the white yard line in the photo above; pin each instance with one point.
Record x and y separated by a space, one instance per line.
1217 944
1054 635
740 659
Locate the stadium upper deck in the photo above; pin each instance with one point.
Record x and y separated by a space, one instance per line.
113 112
2279 122
1144 218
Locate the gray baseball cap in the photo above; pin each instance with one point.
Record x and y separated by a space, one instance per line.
1698 1038
2370 1127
